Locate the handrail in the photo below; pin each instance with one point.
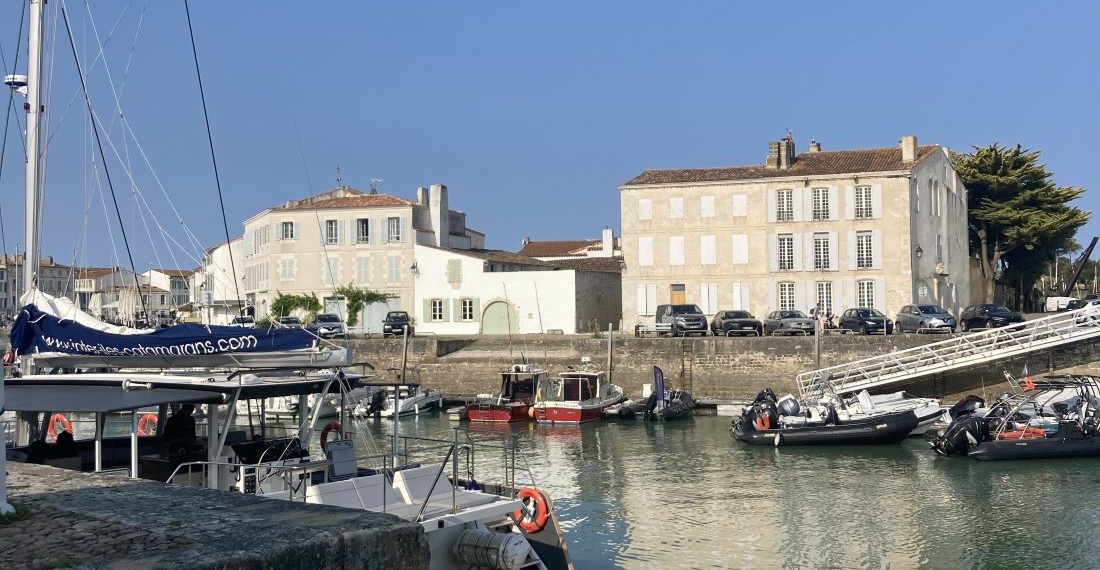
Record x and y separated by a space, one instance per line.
958 353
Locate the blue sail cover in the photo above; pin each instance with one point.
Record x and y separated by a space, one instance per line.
37 332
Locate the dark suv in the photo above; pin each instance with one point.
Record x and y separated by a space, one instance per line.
396 323
682 319
987 316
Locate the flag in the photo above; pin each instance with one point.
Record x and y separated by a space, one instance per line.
658 382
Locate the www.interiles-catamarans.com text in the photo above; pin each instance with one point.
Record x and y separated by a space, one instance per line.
232 344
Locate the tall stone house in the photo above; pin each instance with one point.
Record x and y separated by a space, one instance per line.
879 227
346 236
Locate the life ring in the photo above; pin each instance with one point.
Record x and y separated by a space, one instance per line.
329 427
762 422
1029 384
532 516
144 422
66 425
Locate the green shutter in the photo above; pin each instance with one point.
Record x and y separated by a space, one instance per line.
427 315
446 310
456 309
477 310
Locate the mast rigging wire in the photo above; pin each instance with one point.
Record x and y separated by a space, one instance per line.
7 123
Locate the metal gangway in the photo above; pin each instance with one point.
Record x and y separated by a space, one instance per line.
957 353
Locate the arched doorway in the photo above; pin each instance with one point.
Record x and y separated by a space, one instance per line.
499 318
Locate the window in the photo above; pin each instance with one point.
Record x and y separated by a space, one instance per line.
786 252
467 309
393 229
865 291
288 230
821 251
740 244
645 209
675 207
437 309
645 251
825 296
362 269
332 270
676 250
707 250
706 206
784 205
393 269
821 203
864 209
864 252
647 299
739 205
286 269
362 230
332 232
786 296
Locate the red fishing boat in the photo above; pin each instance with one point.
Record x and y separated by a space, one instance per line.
575 396
513 402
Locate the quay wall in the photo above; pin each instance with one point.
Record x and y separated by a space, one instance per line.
719 368
85 521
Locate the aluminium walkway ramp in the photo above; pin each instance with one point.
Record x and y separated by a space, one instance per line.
957 353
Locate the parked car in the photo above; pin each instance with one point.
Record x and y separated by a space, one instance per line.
987 315
397 323
247 321
1090 317
1074 305
329 325
289 322
737 322
683 319
865 320
924 318
788 322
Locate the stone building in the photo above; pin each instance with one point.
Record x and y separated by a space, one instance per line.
877 227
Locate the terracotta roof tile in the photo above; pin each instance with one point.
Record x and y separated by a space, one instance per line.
176 272
343 197
557 248
94 272
807 164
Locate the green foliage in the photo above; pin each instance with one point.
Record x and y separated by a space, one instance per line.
1019 219
284 304
357 298
21 512
263 322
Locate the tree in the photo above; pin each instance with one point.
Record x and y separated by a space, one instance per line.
1018 217
356 298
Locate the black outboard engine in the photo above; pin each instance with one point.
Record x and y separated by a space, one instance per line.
958 438
966 406
377 402
788 406
765 395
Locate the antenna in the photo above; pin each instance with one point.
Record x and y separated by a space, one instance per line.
339 179
374 185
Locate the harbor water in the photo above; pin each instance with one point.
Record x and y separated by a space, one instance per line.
685 495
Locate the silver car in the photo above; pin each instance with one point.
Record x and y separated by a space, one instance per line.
788 322
924 318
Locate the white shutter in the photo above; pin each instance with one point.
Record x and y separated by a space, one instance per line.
404 230
852 250
849 202
651 299
796 246
771 206
800 204
372 229
706 207
704 297
850 293
296 229
876 201
740 205
811 295
880 295
773 252
834 253
740 244
838 297
645 251
735 297
808 251
800 300
834 203
876 249
340 232
642 300
771 298
745 297
645 209
707 250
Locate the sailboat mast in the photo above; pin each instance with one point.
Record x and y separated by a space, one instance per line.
34 111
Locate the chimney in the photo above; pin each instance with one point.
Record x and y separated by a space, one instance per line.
422 196
908 148
773 155
441 214
608 242
526 240
814 147
786 152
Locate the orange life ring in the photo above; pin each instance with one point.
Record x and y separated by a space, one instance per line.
762 422
1026 432
532 516
327 429
144 422
1029 384
66 425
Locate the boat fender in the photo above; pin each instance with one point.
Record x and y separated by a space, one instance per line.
761 422
55 419
532 516
329 427
1029 384
145 421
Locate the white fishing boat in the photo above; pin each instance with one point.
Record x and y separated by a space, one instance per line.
406 400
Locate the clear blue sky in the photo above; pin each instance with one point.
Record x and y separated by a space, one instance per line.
533 113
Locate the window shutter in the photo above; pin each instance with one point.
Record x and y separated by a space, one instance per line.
796 246
446 311
771 298
740 249
834 254
340 232
876 249
427 316
852 250
808 251
880 295
834 203
456 310
838 297
800 300
642 300
849 202
773 252
372 231
651 299
477 310
811 295
850 293
771 206
739 206
403 231
735 297
876 201
799 199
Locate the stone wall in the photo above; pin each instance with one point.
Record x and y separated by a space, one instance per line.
719 368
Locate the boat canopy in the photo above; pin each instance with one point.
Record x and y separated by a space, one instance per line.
102 398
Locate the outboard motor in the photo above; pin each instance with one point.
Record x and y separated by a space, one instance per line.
377 402
765 395
966 406
961 435
788 406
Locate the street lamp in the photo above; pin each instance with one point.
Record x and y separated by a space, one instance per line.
919 252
